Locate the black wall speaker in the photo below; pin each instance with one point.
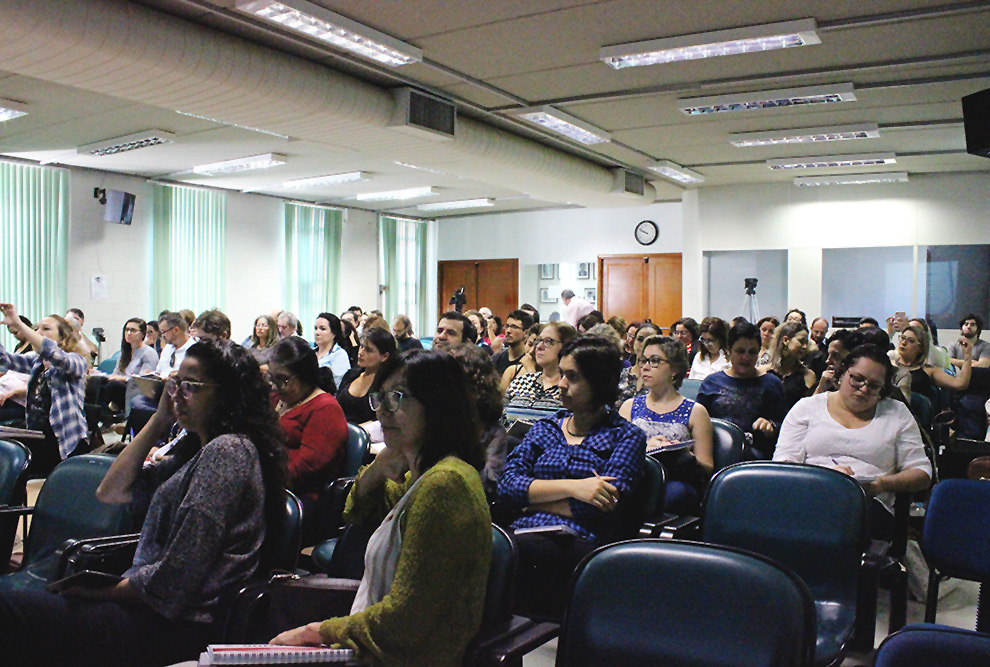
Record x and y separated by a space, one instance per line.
976 117
119 207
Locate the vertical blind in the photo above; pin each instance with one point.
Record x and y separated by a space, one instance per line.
403 247
34 226
189 257
312 260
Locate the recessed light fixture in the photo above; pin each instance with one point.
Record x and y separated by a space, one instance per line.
131 142
562 123
263 161
464 203
676 172
330 179
828 161
9 110
327 26
768 99
852 179
750 39
805 135
408 193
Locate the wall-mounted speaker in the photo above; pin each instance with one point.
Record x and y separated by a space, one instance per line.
976 117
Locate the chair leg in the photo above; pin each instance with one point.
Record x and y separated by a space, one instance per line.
931 604
983 608
865 628
898 599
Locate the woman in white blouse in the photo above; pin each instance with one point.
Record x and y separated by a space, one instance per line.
711 357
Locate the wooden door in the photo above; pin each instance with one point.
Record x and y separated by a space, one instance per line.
487 282
639 287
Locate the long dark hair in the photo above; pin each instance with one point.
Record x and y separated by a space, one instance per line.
299 359
126 353
452 426
338 332
382 339
600 362
244 408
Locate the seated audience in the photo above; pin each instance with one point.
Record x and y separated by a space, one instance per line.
514 341
666 417
818 333
533 312
136 358
495 333
314 424
153 338
629 356
970 326
404 337
915 374
421 598
23 346
481 327
767 326
868 322
585 324
686 331
84 346
261 345
377 349
631 381
796 315
541 388
527 363
861 432
619 324
711 357
177 342
789 349
288 324
839 345
210 325
55 389
744 395
208 505
454 329
328 338
571 470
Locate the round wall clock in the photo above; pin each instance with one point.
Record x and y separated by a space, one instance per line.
647 232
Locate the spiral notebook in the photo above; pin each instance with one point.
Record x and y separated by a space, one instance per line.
269 654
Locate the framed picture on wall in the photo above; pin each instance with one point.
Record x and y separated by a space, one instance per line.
590 294
586 271
546 296
548 272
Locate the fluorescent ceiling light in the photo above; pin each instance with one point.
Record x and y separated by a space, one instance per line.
340 31
768 99
828 161
9 110
131 142
562 123
264 161
750 39
408 193
676 172
852 179
330 179
805 135
464 203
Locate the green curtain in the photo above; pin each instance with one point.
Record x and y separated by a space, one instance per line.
403 245
189 248
34 237
312 260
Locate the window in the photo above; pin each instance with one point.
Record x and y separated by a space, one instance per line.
957 281
312 260
874 282
34 225
403 249
189 259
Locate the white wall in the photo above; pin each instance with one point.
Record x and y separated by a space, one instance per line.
359 261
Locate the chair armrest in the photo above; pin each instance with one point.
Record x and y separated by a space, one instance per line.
112 554
521 636
17 510
671 527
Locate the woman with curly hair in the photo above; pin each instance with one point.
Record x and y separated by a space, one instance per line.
208 505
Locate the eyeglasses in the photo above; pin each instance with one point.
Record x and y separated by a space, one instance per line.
707 341
859 382
278 384
547 342
186 387
514 327
652 362
389 401
129 330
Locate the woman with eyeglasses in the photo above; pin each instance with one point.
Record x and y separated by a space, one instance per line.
631 379
420 600
916 374
861 432
331 350
313 421
668 418
136 358
711 357
540 389
207 508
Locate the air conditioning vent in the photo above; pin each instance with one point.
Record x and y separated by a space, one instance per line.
424 115
628 182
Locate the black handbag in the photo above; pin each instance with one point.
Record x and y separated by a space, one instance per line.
288 601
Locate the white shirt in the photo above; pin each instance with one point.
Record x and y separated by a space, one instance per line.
702 368
890 443
576 309
165 365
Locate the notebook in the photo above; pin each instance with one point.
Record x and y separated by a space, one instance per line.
269 654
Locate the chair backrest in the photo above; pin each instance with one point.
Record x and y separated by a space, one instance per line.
956 539
500 591
933 646
921 407
107 365
280 550
809 518
646 500
667 602
14 460
689 389
358 444
727 443
67 508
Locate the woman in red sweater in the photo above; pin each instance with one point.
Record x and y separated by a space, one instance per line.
314 424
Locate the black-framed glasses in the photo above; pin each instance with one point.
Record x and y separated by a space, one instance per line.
548 342
514 327
275 382
652 362
859 382
187 388
389 400
128 330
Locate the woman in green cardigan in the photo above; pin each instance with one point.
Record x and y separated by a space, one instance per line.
420 601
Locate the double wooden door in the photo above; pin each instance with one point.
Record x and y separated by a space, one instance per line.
486 282
640 287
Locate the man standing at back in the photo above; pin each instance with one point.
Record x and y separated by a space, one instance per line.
575 307
516 325
453 329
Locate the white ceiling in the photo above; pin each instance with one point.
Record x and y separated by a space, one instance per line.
96 69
